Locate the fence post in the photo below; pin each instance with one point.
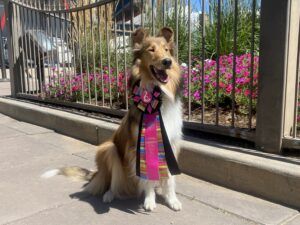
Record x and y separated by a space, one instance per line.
272 74
291 94
14 65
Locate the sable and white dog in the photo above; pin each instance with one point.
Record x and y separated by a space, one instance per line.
115 177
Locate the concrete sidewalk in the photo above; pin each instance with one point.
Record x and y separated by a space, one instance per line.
26 151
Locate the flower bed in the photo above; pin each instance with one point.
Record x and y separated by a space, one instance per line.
242 82
75 88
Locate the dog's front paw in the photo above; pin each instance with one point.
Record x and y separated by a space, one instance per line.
108 197
174 204
149 204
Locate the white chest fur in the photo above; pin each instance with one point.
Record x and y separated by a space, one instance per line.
172 116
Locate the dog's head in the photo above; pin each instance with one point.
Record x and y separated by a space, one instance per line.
153 56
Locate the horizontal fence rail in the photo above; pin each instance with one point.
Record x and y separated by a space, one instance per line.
78 53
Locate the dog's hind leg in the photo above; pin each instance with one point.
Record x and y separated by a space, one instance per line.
100 182
117 182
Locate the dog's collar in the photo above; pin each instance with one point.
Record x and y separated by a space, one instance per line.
147 99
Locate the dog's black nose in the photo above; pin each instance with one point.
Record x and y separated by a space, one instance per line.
167 62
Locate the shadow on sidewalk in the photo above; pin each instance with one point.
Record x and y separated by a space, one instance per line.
131 206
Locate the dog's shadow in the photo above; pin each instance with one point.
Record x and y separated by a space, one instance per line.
131 206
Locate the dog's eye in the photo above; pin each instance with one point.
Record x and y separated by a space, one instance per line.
152 50
167 49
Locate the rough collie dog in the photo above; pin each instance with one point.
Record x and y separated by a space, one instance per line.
115 177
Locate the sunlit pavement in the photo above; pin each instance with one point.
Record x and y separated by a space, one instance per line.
26 151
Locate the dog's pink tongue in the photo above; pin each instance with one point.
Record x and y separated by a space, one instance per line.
163 75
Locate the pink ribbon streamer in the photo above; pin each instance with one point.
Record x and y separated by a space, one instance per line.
151 147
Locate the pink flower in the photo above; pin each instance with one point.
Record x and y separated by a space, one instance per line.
247 92
196 95
75 88
229 88
222 85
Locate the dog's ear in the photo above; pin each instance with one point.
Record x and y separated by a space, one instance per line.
137 37
167 33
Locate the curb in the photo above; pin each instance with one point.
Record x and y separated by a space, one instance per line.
271 177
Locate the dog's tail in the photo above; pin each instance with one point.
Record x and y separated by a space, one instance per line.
108 162
74 172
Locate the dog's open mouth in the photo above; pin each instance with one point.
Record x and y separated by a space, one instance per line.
160 75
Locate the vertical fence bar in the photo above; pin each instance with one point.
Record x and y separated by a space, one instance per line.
2 49
16 53
94 60
20 47
202 60
87 69
177 21
38 24
61 35
43 24
152 16
189 59
296 102
80 57
163 12
142 13
68 35
252 63
25 49
108 55
132 15
56 42
2 75
218 60
30 47
47 34
33 43
63 46
234 63
100 52
51 39
69 75
74 53
116 50
125 58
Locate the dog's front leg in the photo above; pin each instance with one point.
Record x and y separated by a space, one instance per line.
168 191
149 202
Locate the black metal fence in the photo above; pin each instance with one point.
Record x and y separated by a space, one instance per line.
77 53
